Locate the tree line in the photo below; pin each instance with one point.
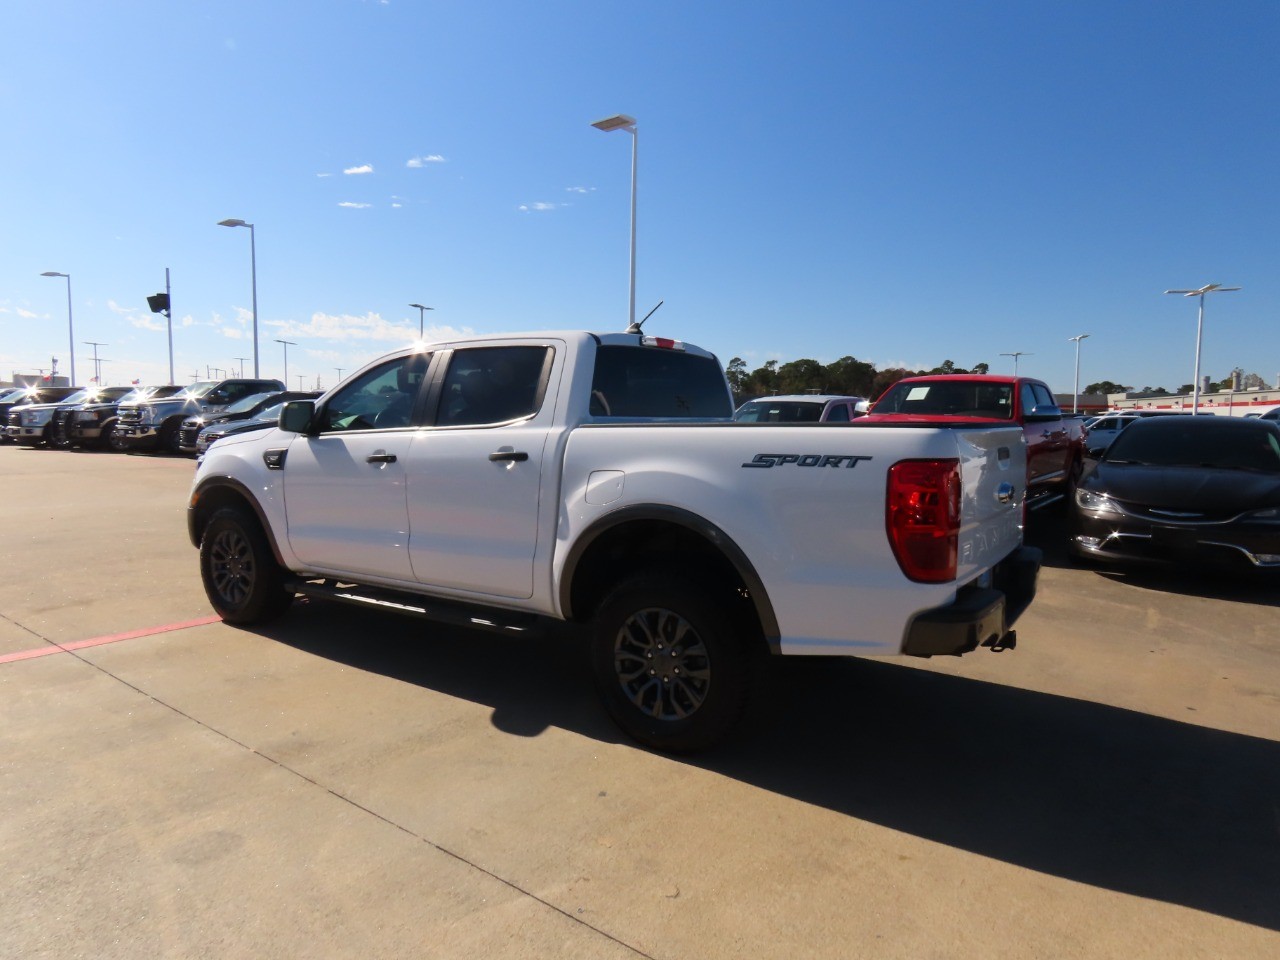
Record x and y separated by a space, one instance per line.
850 376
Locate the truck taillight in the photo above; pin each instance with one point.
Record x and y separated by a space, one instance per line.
922 516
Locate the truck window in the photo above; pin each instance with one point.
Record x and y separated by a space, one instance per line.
647 382
381 398
493 385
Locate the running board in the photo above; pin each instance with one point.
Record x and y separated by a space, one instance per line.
507 622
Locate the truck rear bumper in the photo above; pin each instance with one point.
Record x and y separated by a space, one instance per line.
979 615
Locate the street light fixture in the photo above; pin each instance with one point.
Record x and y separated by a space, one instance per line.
253 268
623 122
287 344
421 313
71 333
1016 354
1207 288
1075 390
97 361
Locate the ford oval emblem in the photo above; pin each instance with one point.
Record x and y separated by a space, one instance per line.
1004 493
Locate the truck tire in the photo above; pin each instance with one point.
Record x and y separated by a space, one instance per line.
113 439
171 435
673 666
241 578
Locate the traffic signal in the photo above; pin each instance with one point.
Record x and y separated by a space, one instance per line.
159 303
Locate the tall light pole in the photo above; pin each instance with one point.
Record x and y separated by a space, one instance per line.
253 268
421 313
339 369
623 122
1075 390
71 332
242 360
1016 354
97 364
1207 288
287 344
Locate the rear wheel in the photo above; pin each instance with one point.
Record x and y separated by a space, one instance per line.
244 583
674 661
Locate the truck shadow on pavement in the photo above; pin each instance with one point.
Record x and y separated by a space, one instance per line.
1117 799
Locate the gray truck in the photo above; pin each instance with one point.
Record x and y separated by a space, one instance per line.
157 423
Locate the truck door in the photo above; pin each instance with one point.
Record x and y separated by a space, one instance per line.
1047 444
345 485
476 482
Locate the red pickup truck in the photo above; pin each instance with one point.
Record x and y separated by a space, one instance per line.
1055 443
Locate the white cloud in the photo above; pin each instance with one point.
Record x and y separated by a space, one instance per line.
324 174
417 162
353 206
371 326
580 189
363 168
537 207
26 314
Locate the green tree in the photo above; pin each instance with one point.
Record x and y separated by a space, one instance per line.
799 376
850 376
736 373
1107 386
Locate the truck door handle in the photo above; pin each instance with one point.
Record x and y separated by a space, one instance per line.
519 456
380 458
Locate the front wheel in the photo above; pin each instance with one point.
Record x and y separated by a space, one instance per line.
241 578
674 661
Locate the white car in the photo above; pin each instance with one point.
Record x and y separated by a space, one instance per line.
1106 429
802 408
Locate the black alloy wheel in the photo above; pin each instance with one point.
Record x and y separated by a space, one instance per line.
242 579
674 661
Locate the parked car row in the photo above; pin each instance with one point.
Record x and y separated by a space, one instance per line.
169 418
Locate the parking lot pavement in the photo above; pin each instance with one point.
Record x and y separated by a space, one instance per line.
352 783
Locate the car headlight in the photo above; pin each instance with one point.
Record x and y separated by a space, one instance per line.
1095 502
87 416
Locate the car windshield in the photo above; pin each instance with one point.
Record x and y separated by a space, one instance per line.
954 398
198 390
271 413
80 396
248 403
1200 441
780 411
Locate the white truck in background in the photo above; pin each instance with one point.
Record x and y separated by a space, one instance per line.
508 481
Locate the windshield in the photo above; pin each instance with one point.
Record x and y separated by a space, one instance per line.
1199 441
951 398
780 411
80 396
197 390
248 403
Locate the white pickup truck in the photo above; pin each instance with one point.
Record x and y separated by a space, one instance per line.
507 482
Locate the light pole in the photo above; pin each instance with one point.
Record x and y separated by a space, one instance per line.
71 333
253 268
421 313
1016 354
339 369
287 344
1075 390
1207 288
623 122
97 368
242 360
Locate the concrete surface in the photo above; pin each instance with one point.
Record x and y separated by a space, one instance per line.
348 783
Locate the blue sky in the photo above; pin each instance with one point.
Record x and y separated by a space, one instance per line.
903 182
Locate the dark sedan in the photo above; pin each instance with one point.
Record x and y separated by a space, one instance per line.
1184 490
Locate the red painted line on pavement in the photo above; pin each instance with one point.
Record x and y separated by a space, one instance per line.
111 638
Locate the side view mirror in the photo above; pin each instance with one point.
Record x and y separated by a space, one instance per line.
297 415
1043 411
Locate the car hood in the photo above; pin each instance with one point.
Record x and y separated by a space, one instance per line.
1204 489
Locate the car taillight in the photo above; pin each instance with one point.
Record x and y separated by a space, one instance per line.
922 516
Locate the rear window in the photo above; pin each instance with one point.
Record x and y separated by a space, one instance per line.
949 398
780 411
647 382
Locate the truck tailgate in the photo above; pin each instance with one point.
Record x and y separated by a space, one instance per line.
993 476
